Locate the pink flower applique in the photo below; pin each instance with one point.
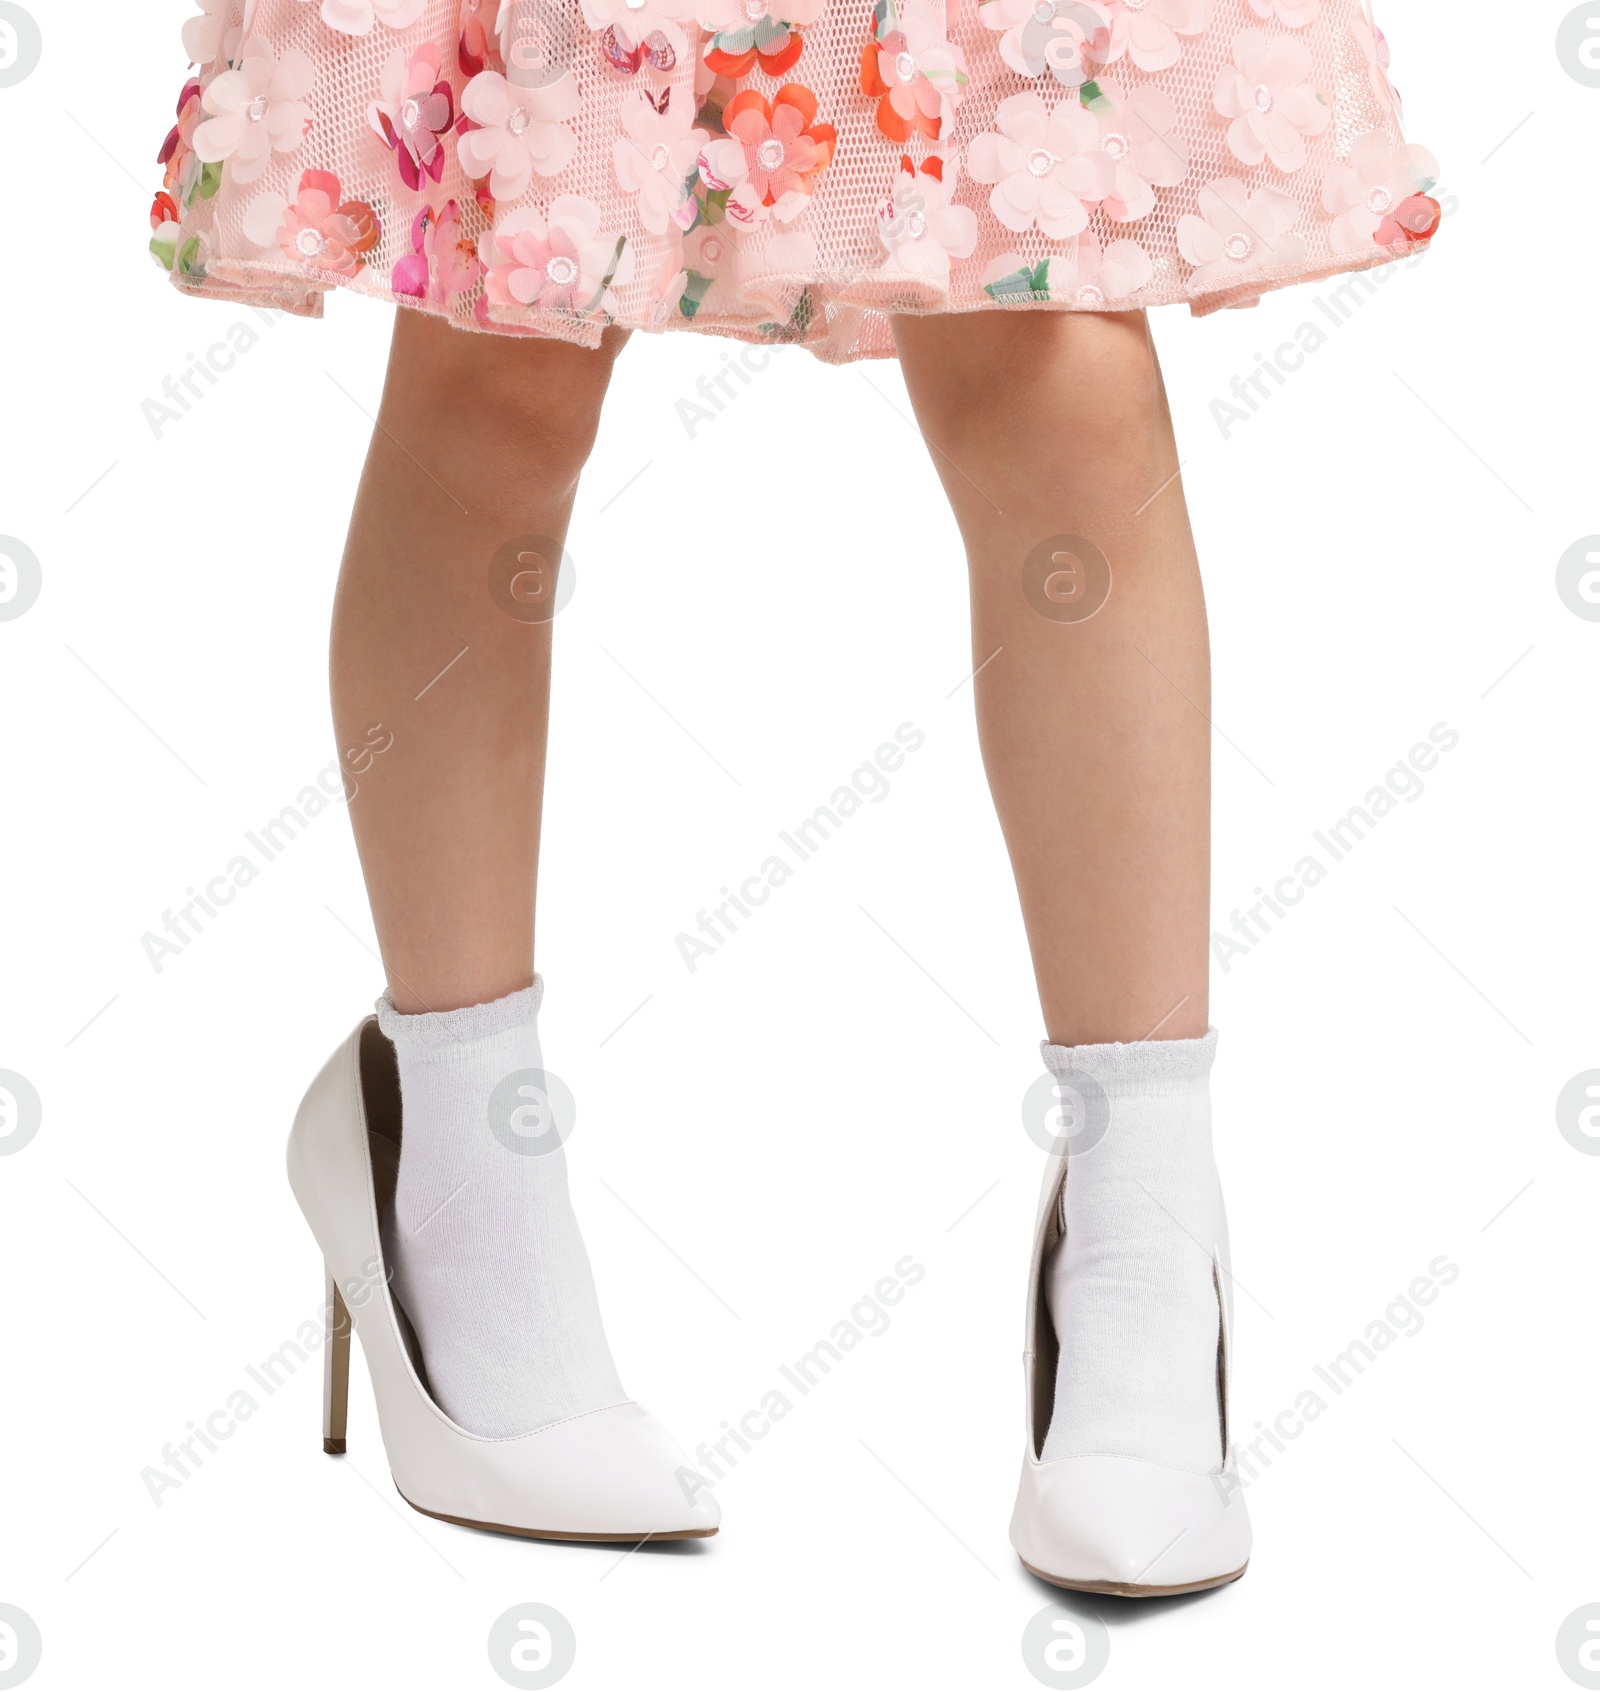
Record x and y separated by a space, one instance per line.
1292 14
767 163
1148 31
187 176
516 130
209 35
917 77
442 262
1045 164
1237 234
560 262
656 157
747 33
1135 134
256 110
356 17
413 110
477 40
920 229
637 32
1086 276
1267 94
1047 35
1380 196
320 230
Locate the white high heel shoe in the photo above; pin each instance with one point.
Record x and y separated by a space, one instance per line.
612 1474
1120 1524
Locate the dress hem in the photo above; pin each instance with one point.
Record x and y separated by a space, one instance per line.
284 287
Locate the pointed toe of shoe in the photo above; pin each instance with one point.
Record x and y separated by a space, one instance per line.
1122 1525
614 1473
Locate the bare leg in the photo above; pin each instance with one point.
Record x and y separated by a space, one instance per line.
1094 733
480 439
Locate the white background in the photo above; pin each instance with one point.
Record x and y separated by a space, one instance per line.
809 1106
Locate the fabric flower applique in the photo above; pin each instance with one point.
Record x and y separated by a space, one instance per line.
1046 165
1086 275
442 262
188 178
637 32
1237 234
170 248
1135 133
917 77
1381 196
208 35
705 272
356 17
920 229
515 130
1267 94
657 156
320 230
767 163
1292 14
1053 35
747 33
413 110
560 261
256 110
1148 31
477 39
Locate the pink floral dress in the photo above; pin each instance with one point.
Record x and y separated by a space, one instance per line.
782 170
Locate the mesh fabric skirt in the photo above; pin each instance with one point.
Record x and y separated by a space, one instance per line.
781 170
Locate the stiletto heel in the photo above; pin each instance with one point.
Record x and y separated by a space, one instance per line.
610 1474
335 1370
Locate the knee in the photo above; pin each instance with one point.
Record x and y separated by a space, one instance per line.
1091 380
508 413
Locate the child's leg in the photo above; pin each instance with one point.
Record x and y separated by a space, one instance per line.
1095 733
480 440
1095 737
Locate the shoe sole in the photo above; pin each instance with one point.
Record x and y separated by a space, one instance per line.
544 1533
1123 1589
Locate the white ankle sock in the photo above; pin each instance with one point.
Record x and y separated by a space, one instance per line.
1130 1287
488 1261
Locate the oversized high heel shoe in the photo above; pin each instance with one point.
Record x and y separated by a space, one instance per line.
1120 1524
611 1474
